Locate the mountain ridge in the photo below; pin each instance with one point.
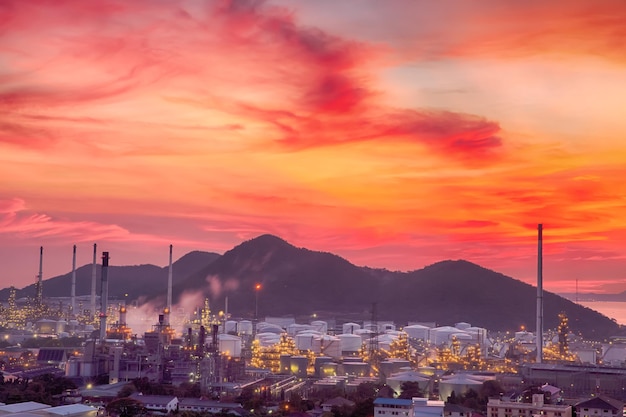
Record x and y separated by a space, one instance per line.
306 283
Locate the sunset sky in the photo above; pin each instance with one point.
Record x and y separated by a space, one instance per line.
393 133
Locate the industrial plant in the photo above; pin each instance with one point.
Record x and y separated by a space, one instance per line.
224 353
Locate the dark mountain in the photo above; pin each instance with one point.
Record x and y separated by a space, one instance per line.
487 299
294 280
300 282
137 281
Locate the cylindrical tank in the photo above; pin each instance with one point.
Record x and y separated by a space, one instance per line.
295 328
231 326
349 328
299 366
267 339
388 327
441 335
320 326
229 345
462 325
350 343
45 326
330 346
417 331
264 327
479 334
245 327
72 368
365 334
373 327
306 341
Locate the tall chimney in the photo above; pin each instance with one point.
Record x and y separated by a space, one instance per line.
40 278
540 295
74 280
169 288
104 295
93 283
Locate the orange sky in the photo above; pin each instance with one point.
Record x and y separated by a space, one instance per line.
395 134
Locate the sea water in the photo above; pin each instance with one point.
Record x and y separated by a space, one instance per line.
612 309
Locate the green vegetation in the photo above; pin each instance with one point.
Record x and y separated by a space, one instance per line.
43 389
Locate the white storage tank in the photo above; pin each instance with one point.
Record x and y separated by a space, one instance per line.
264 327
350 343
365 334
442 335
306 341
462 325
268 339
330 346
479 334
417 331
231 326
295 328
320 326
245 327
229 345
45 326
350 328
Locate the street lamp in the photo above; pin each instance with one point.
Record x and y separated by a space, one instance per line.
257 288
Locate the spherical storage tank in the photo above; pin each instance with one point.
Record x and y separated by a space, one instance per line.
349 328
229 345
350 342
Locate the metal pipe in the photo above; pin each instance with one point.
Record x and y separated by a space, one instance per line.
40 278
93 283
539 337
104 295
74 280
169 288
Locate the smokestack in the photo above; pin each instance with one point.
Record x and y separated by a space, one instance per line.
93 283
74 280
104 295
169 288
540 294
40 278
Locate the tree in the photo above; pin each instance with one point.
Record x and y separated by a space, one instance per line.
410 389
126 407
